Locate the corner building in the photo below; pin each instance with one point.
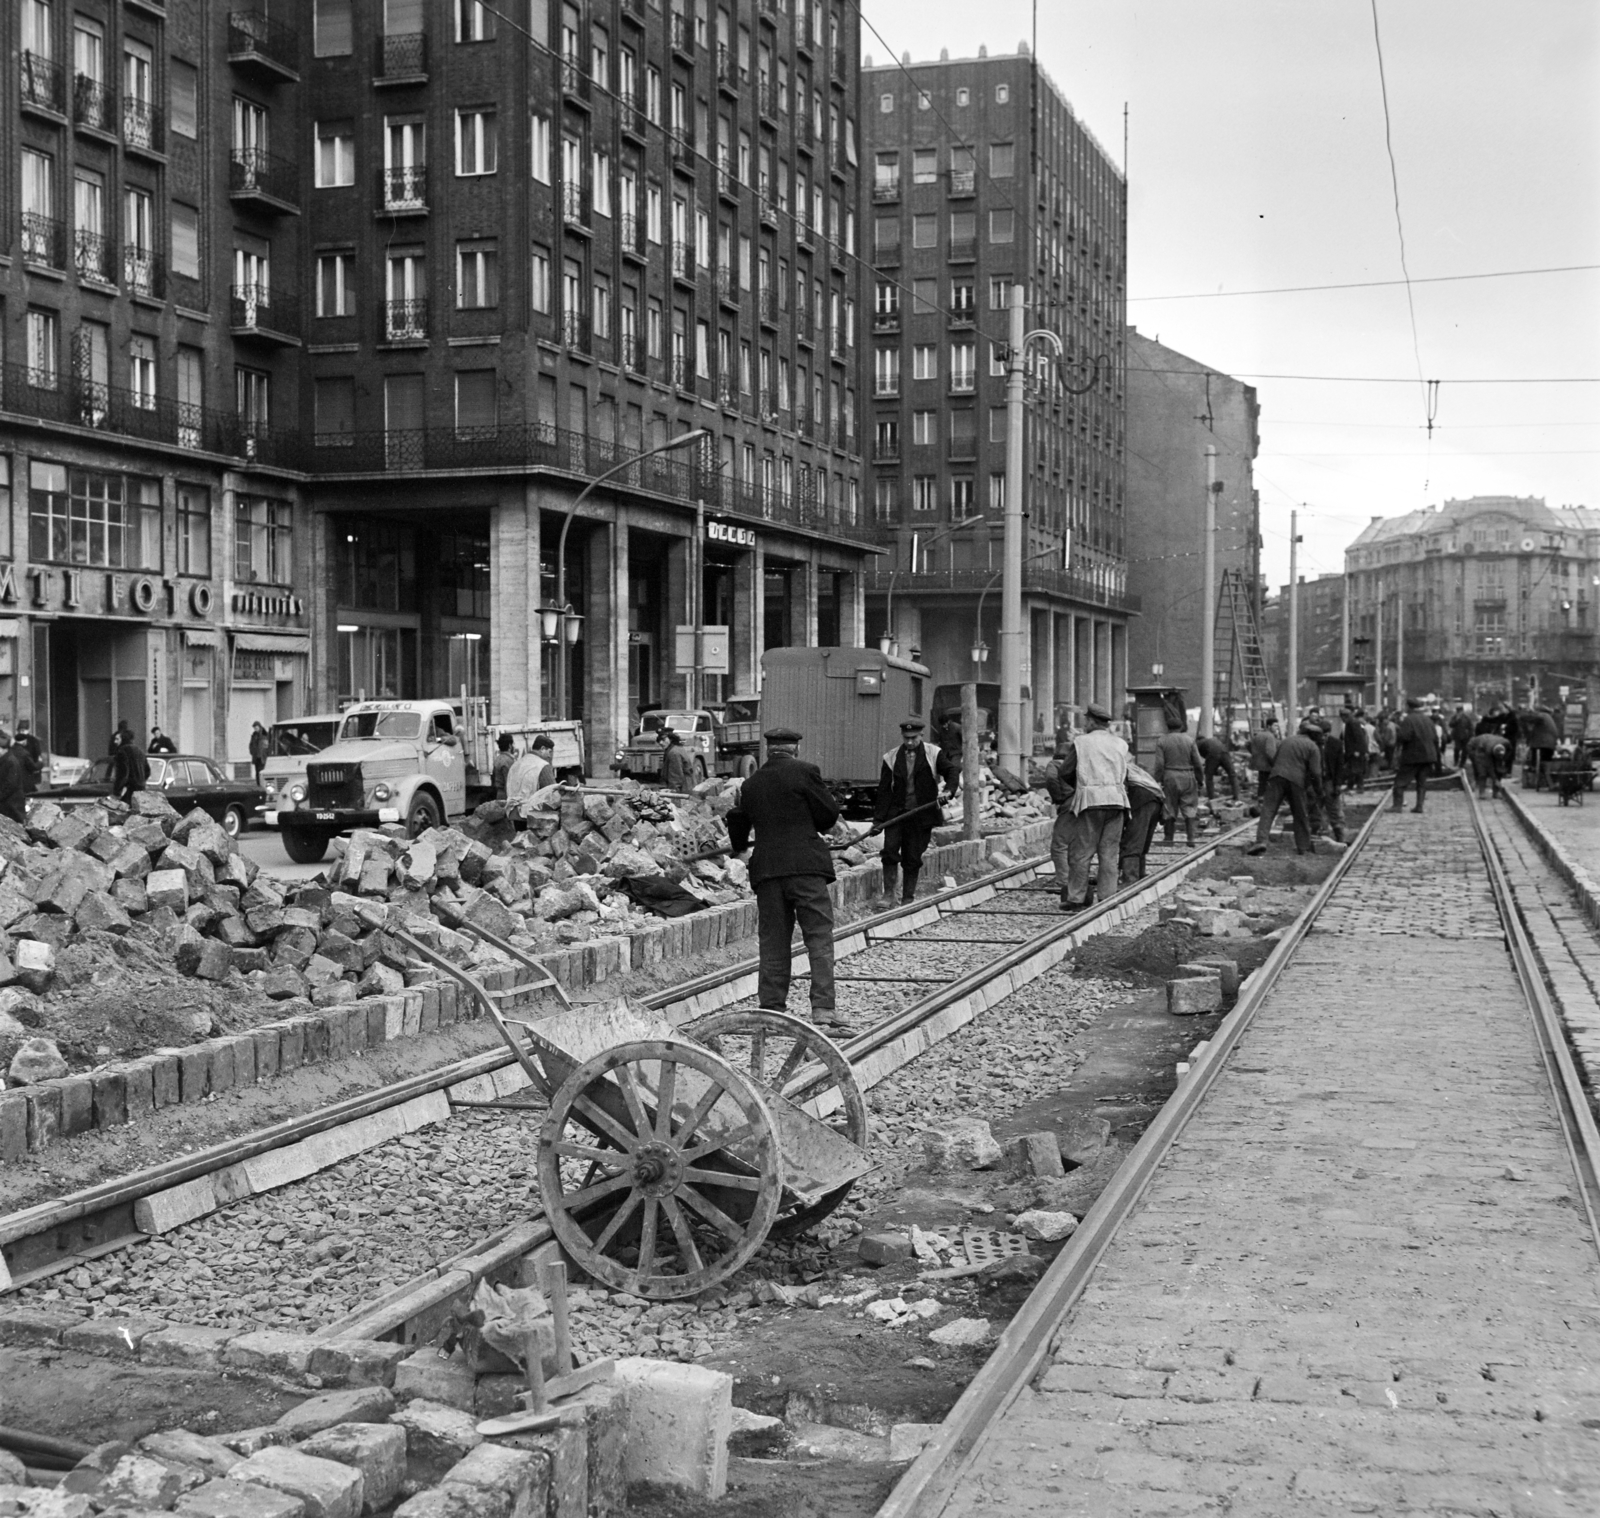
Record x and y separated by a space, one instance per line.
320 315
983 176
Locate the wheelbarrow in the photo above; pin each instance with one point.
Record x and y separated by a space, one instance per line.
667 1157
1571 778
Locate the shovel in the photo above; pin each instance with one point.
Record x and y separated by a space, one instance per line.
872 832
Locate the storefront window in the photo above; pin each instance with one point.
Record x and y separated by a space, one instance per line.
194 530
464 574
80 516
376 566
263 540
377 663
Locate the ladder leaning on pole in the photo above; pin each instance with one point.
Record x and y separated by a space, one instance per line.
1241 668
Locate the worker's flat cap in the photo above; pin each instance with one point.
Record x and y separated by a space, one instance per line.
1098 712
781 735
912 725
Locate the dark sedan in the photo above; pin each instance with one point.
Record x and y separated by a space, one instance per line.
186 780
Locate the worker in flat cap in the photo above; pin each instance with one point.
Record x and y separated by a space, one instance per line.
910 781
789 809
1097 769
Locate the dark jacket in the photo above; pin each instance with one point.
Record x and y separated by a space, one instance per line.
30 755
898 792
1503 724
677 769
260 746
1415 739
129 771
162 745
789 808
1214 752
1461 726
14 785
1538 728
1354 735
1299 762
1264 750
1333 759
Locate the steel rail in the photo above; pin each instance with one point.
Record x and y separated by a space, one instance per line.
926 1486
1578 1129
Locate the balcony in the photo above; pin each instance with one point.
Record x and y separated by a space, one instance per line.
885 192
886 389
61 399
963 384
143 273
963 182
727 396
727 68
575 331
962 317
405 321
628 236
44 241
91 257
886 321
263 180
681 147
44 85
630 353
769 306
886 453
402 59
404 191
572 207
768 211
630 119
963 250
727 288
886 258
142 129
680 371
767 99
1038 578
94 106
680 262
266 49
682 31
574 81
266 315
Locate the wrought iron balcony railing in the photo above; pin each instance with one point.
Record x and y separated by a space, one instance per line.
262 45
405 189
94 104
91 256
143 273
43 240
43 83
255 174
405 321
402 59
142 129
259 310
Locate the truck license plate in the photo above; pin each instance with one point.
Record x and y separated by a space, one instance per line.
325 817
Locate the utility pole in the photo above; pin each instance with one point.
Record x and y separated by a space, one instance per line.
1344 626
1400 648
1292 716
1208 599
1011 628
1377 642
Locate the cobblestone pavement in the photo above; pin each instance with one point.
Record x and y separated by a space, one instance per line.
1361 1281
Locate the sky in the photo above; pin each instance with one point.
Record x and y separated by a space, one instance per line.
1257 159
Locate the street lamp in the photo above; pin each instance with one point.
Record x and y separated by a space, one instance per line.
980 649
886 644
571 621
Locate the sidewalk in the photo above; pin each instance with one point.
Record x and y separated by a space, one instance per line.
1362 1280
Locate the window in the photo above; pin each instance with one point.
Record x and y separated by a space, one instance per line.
924 165
475 401
997 424
600 57
475 141
886 173
539 148
924 101
1002 94
961 366
333 284
138 91
474 21
925 427
38 29
997 358
924 231
924 297
886 103
702 239
263 540
652 94
183 90
540 294
925 362
253 398
405 162
1002 156
194 530
44 338
997 491
40 243
336 154
330 28
961 497
885 497
963 227
191 395
963 96
702 349
653 335
886 439
600 313
334 399
600 192
477 275
886 298
961 297
963 432
138 241
652 213
1000 294
1002 226
185 240
886 233
886 371
925 492
81 516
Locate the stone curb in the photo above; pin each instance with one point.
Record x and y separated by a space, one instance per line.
1583 884
36 1117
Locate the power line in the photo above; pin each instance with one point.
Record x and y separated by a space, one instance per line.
1368 284
1384 379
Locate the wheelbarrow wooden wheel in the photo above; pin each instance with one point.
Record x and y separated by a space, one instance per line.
799 1061
659 1168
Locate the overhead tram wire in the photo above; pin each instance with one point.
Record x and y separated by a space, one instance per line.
817 233
1366 284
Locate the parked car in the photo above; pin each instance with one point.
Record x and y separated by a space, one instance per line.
186 780
64 769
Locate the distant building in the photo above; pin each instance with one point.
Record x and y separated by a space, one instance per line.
1486 598
983 176
1321 647
1176 406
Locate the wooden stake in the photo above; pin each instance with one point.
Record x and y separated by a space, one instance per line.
537 1401
553 1282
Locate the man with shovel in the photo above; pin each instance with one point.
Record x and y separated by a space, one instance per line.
790 810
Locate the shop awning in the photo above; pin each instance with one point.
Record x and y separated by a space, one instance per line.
200 637
273 643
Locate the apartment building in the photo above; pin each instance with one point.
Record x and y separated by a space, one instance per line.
364 295
983 177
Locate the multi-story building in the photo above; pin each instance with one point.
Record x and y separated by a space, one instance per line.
1177 407
1488 598
1320 649
472 259
984 177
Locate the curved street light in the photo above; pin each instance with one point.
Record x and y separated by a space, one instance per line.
560 622
886 644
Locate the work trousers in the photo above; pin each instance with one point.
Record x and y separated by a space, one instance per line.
1096 837
1138 833
1216 766
1061 845
1325 811
1485 772
903 847
780 904
1407 774
1279 791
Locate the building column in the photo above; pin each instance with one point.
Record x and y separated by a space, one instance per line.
749 609
853 609
1042 624
1061 637
1102 663
514 646
605 638
803 603
1119 665
675 686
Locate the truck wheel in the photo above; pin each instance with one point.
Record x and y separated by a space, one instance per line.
305 845
699 771
424 814
746 766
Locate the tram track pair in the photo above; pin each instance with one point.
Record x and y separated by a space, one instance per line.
929 1482
55 1236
